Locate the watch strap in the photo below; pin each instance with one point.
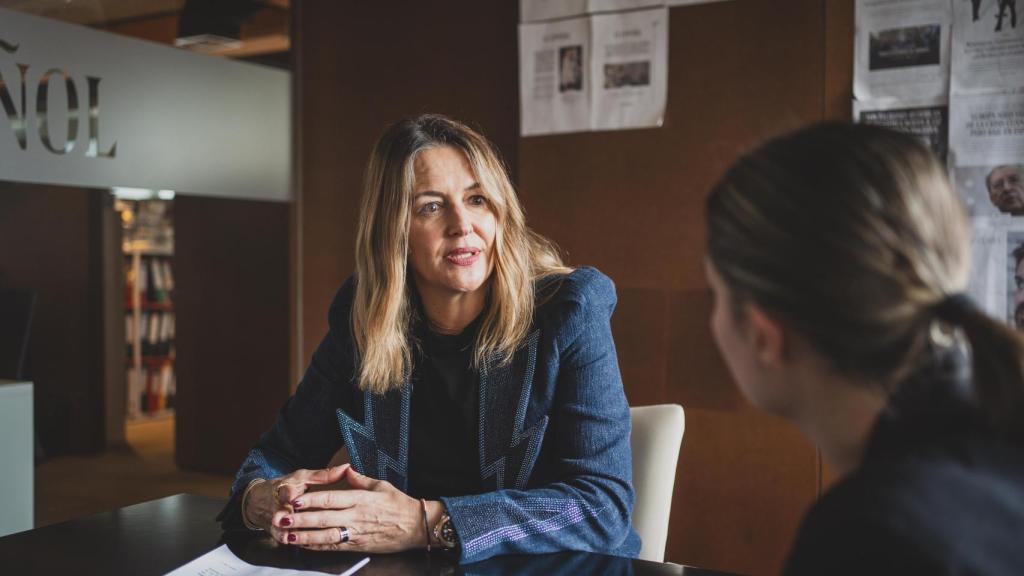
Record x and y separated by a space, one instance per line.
444 532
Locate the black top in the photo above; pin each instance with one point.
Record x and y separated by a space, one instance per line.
443 421
937 493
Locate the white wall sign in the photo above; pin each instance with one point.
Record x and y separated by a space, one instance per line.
87 108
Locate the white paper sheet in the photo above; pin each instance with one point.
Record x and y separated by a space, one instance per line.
629 69
901 49
618 5
223 562
989 249
926 119
554 83
689 2
539 10
988 50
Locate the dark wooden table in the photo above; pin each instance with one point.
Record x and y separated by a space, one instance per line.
158 536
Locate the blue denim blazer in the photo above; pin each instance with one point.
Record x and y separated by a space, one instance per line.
553 438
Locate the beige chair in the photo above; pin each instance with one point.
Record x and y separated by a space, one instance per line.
656 438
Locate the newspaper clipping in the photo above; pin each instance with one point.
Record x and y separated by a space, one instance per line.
987 129
630 69
926 119
602 72
554 87
988 283
987 151
901 49
988 46
997 275
1015 275
951 73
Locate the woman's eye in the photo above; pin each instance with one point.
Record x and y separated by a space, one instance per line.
478 200
430 208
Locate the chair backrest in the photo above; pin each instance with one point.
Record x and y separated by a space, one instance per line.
16 310
655 440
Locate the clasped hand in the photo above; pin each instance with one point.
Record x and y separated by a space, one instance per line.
371 515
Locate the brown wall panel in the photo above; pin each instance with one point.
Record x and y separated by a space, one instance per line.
745 480
632 203
162 28
231 304
839 24
361 66
50 242
839 59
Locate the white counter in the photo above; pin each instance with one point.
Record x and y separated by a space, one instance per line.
16 453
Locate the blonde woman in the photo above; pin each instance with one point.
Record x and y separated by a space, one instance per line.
471 376
838 259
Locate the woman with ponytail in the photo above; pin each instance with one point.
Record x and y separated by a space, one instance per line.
839 260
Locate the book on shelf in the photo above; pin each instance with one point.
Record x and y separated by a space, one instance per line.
149 334
151 389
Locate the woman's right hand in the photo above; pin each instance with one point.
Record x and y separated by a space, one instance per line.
261 504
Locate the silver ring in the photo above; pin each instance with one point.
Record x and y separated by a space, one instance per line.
343 534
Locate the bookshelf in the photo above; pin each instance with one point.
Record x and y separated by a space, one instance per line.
149 309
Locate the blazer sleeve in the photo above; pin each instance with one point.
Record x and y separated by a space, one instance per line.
306 433
589 505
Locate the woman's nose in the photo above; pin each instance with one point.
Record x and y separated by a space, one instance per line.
460 223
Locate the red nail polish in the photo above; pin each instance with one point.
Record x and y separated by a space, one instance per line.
291 537
297 503
286 521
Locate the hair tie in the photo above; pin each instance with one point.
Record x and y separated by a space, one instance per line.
954 307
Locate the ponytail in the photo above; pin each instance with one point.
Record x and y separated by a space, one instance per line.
997 353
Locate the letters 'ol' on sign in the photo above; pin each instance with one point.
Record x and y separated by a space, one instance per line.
87 108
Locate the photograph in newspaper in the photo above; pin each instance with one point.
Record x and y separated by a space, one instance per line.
986 130
1015 278
629 68
570 68
554 90
904 47
988 45
627 74
901 49
988 279
927 120
991 190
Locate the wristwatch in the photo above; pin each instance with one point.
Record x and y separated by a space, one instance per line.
444 532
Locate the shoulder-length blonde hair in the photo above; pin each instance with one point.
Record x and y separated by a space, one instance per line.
382 311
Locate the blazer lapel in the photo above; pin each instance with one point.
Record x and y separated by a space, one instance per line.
376 446
508 449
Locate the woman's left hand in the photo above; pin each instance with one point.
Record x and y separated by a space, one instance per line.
377 516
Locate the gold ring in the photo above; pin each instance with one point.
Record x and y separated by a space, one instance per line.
343 534
277 493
